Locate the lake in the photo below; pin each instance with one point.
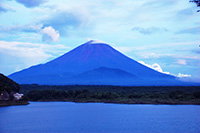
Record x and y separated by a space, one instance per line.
51 117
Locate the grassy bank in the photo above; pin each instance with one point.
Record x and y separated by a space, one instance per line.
114 94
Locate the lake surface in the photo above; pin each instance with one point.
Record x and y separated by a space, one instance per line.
99 117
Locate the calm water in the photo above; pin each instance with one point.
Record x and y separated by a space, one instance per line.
98 117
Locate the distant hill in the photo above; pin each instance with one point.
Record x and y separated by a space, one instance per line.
94 63
8 85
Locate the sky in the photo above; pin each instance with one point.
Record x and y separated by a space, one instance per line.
161 34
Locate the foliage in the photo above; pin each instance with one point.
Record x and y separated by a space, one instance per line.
197 94
197 2
114 94
8 84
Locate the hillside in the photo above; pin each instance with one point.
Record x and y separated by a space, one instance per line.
8 85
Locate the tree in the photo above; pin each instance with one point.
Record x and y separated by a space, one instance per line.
8 84
197 2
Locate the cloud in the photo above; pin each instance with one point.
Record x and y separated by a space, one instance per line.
197 51
187 12
181 62
183 75
31 28
192 30
150 30
151 55
93 41
158 68
169 53
159 3
35 28
63 21
50 34
15 56
5 8
31 3
2 9
155 66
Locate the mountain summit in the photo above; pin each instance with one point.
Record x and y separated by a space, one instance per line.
93 63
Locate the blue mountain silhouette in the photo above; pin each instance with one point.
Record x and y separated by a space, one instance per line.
93 63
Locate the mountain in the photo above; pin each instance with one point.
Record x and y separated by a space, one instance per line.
93 63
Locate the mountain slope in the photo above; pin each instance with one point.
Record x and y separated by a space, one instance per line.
91 58
104 75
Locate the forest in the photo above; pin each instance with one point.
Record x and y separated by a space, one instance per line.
113 94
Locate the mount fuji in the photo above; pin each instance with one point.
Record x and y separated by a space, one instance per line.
94 63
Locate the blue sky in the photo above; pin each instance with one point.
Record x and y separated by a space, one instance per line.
162 34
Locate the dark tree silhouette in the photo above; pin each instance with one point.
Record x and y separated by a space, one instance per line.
8 85
197 2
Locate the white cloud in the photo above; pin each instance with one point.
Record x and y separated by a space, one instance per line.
93 41
50 34
158 68
150 55
181 62
155 66
183 75
15 56
149 30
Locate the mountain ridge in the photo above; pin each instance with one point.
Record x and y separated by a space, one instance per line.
90 56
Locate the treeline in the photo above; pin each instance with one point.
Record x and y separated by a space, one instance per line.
109 88
114 94
8 85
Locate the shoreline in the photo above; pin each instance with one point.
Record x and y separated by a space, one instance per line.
16 103
123 102
13 103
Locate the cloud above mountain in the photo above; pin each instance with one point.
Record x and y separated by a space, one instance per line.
63 21
163 31
150 30
50 34
158 68
34 28
154 66
181 62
